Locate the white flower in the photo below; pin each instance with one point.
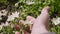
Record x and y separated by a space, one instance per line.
2 24
12 17
5 24
4 12
29 3
56 21
28 22
16 14
16 4
13 31
12 25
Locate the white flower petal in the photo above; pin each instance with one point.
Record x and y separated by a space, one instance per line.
12 25
28 22
56 21
2 24
12 17
16 4
6 24
4 12
29 3
16 14
13 31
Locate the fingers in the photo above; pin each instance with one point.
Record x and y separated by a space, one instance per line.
23 22
46 9
17 26
44 14
17 32
25 32
30 18
31 27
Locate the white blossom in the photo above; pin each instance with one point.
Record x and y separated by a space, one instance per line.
5 24
16 14
4 12
2 23
28 22
12 17
12 25
13 31
30 3
56 21
16 4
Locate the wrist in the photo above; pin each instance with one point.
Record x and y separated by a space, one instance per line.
40 28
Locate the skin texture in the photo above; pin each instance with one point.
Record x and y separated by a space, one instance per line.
40 24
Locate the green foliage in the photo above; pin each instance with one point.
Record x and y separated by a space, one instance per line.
3 1
12 1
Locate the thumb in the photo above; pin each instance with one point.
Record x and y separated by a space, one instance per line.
17 32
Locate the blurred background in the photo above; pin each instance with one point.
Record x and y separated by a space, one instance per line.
12 11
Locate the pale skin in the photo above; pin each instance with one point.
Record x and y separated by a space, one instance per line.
40 24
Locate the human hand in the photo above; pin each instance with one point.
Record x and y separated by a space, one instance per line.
40 22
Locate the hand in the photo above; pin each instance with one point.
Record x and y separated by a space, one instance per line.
39 23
